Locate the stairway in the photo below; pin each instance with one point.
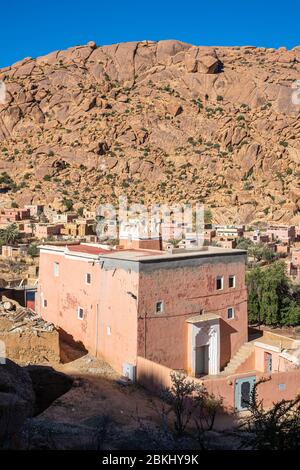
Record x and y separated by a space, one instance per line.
240 356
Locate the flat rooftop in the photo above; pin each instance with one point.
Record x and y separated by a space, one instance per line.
141 255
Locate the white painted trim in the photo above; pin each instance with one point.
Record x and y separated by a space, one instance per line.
290 358
213 343
233 311
56 252
80 308
269 347
163 307
234 281
222 283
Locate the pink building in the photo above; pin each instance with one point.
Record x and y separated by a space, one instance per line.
14 215
294 266
126 303
44 231
256 236
283 233
34 209
148 312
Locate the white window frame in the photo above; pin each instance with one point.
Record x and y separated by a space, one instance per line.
233 313
78 311
56 269
231 276
222 282
86 278
161 303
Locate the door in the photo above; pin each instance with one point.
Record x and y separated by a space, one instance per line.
268 362
243 390
202 360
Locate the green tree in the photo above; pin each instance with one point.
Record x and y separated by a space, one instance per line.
9 235
33 250
254 283
271 299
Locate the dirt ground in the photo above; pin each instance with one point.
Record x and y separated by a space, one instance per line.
96 392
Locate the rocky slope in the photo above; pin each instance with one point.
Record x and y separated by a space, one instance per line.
159 121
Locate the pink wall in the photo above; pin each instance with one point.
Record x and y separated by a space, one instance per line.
107 295
185 291
283 385
125 298
64 297
118 311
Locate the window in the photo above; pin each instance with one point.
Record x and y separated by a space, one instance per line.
108 330
88 278
56 269
219 283
159 307
230 313
231 281
45 303
80 313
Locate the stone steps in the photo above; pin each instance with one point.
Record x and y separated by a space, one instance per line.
240 356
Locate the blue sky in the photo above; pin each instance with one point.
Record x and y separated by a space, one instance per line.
32 28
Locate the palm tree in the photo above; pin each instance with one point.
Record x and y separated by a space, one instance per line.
10 234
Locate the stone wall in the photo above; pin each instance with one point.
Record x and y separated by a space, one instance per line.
25 345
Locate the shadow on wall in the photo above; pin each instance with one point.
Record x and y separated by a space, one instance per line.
70 350
225 342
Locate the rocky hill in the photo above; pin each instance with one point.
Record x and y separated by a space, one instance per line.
159 121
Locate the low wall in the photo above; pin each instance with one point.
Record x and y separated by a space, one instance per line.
282 385
30 346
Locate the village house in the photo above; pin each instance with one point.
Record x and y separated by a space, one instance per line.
293 266
14 251
42 231
229 231
256 236
132 305
64 218
13 215
78 228
283 233
118 303
35 209
226 243
282 249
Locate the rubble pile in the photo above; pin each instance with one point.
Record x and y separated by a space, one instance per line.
22 318
26 337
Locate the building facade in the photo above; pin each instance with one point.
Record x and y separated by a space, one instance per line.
185 309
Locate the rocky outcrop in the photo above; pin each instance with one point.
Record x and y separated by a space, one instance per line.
48 385
16 400
25 392
159 121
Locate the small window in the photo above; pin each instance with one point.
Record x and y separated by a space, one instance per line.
230 313
159 307
88 278
45 303
108 330
219 283
80 313
231 281
56 269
